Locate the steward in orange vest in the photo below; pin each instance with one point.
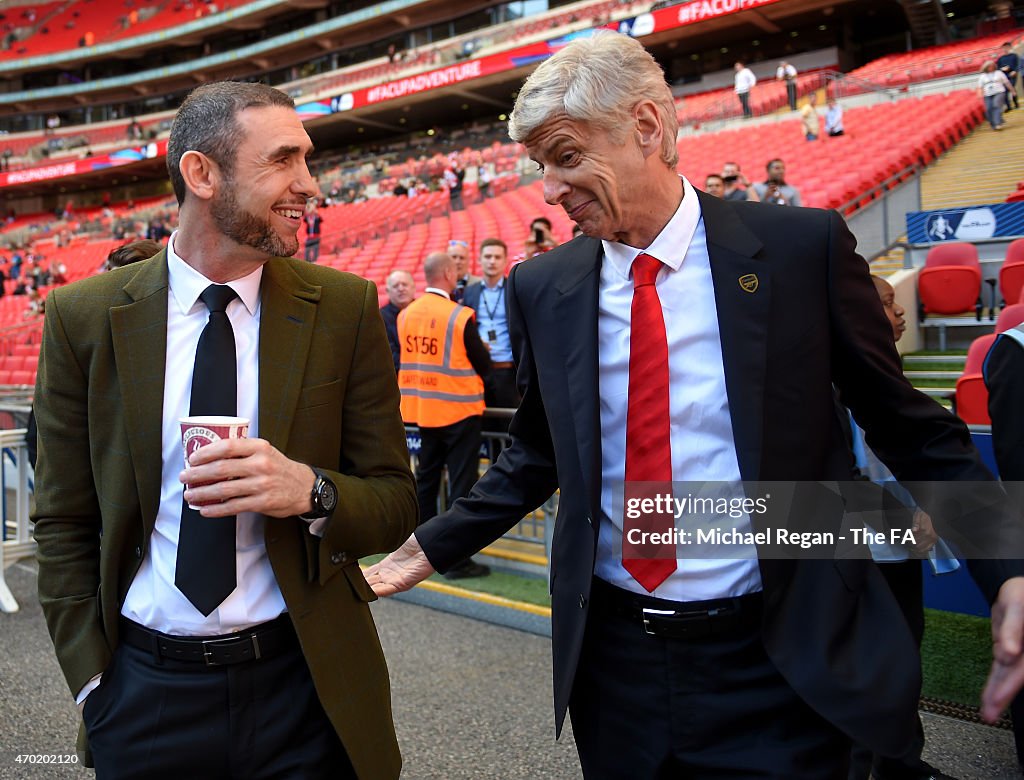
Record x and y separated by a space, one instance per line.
439 384
441 376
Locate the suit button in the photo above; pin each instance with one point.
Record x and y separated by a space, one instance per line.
583 601
337 558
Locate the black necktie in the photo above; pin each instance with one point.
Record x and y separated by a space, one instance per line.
205 570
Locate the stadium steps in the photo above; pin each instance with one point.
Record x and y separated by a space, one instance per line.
982 168
935 373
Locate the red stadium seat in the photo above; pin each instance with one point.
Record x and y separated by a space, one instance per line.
971 401
1011 275
1010 317
950 282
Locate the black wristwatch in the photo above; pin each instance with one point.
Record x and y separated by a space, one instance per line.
324 497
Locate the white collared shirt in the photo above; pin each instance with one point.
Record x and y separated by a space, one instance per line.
703 447
153 600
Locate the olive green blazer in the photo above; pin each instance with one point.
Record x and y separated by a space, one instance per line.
327 397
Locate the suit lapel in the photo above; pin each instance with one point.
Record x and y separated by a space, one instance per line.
139 333
577 288
288 314
743 298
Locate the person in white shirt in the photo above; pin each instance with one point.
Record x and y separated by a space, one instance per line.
209 615
662 346
834 119
786 72
745 81
992 88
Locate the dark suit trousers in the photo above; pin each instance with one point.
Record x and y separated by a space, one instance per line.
176 720
648 707
458 447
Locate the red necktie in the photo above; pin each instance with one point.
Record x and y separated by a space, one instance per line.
648 446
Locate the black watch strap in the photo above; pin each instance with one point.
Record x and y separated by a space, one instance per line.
323 497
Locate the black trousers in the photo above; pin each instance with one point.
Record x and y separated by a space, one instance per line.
745 103
501 391
456 446
791 94
654 708
175 720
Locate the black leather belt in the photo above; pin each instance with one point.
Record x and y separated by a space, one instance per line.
678 619
262 641
503 364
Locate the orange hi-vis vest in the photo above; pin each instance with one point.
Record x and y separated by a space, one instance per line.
439 385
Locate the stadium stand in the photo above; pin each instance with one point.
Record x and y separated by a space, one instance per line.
934 62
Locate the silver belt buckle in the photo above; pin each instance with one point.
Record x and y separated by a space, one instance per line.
649 613
208 653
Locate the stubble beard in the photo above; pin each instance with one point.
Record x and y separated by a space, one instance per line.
247 229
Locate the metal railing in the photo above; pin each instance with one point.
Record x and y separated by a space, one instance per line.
537 527
16 481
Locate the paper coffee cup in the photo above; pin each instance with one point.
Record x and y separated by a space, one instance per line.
198 431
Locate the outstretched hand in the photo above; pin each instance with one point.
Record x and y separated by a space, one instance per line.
405 567
1007 675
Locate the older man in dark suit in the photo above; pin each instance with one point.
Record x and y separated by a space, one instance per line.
689 339
232 640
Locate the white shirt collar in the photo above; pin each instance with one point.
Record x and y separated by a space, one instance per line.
438 291
187 284
670 245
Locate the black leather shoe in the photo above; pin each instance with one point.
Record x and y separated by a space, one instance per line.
466 570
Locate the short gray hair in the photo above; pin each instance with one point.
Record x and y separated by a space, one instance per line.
597 80
207 122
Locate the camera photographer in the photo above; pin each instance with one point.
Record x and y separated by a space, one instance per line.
774 189
733 178
540 239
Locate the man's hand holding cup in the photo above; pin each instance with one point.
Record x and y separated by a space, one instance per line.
227 473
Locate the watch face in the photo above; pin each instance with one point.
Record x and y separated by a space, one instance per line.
328 495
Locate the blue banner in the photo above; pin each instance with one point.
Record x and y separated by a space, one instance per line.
971 223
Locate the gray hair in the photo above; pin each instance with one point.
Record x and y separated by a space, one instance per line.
207 122
597 80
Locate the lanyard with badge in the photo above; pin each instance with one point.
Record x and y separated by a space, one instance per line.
492 334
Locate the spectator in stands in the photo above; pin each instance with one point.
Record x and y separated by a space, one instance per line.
3 276
483 181
60 274
809 119
441 348
745 81
782 668
737 185
1009 64
52 123
458 251
127 254
143 660
539 240
5 160
786 72
834 118
400 190
314 225
490 302
992 88
134 131
35 303
401 289
453 176
714 185
774 189
157 229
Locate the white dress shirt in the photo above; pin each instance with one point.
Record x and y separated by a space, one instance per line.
153 600
745 80
703 447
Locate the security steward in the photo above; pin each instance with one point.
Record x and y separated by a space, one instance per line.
442 374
